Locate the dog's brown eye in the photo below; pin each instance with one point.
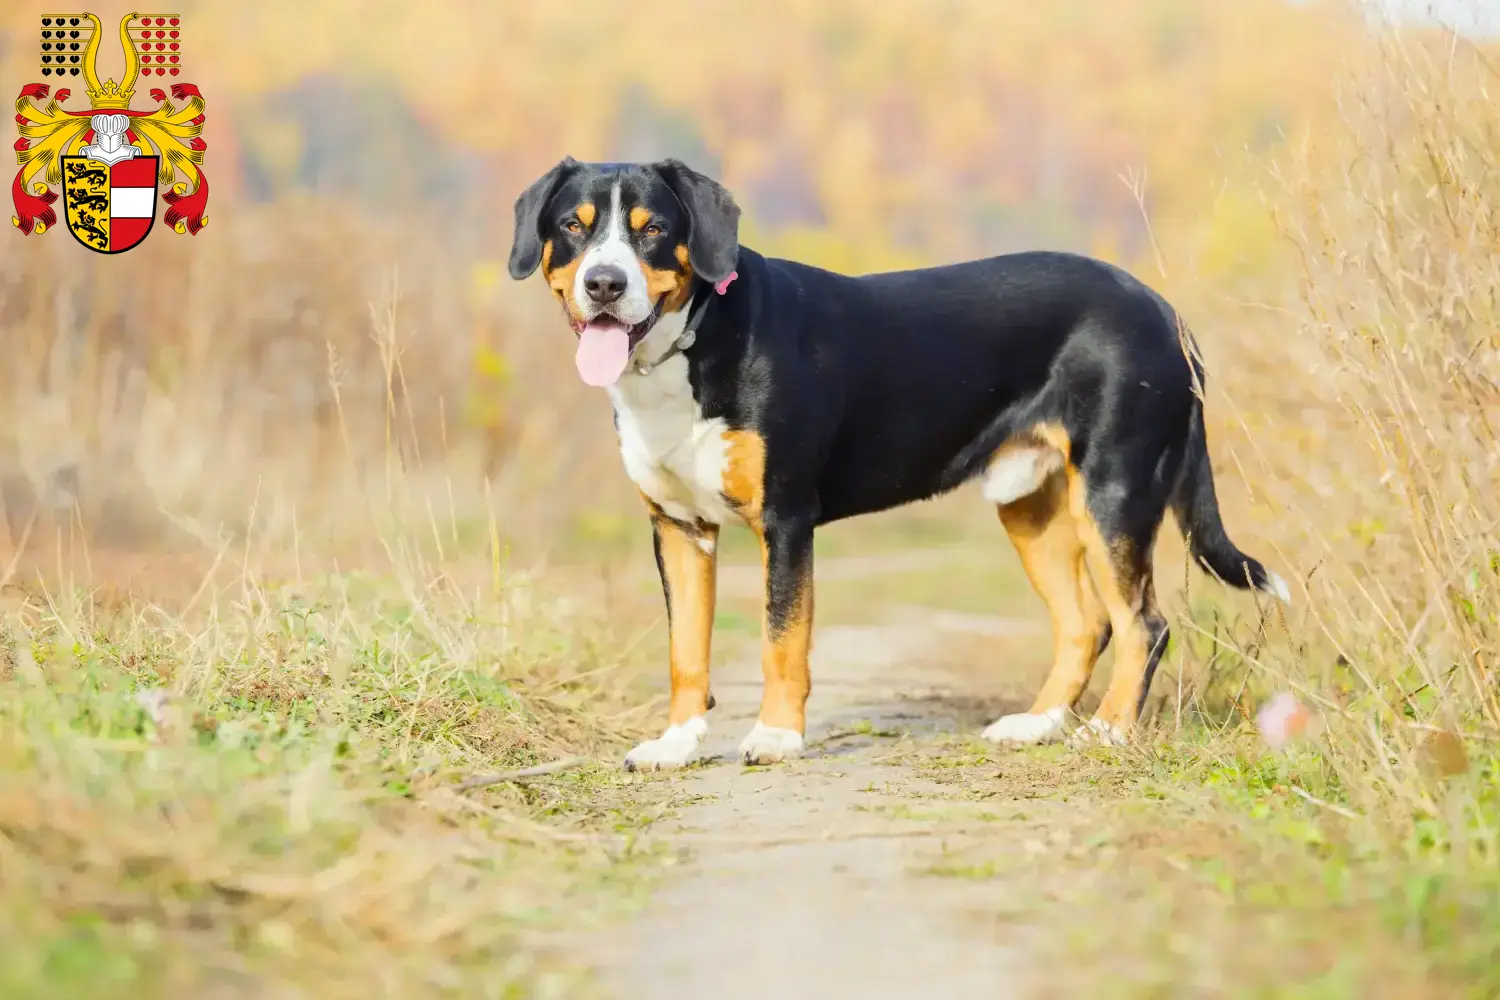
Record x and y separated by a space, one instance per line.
573 226
652 230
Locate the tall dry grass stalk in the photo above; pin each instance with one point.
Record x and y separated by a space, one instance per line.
1386 492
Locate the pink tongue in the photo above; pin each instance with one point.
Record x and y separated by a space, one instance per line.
603 352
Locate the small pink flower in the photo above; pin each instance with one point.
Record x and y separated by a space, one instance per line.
155 703
1282 719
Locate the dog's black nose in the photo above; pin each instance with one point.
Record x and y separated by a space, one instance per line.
604 283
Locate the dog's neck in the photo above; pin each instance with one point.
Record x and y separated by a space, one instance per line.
672 334
662 336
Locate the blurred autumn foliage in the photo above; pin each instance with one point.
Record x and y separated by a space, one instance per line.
346 312
908 128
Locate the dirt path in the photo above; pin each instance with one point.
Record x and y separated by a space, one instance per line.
803 880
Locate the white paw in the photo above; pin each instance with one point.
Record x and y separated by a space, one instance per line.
768 744
1098 731
674 748
1027 727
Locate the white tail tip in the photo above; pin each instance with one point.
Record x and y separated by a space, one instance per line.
1277 588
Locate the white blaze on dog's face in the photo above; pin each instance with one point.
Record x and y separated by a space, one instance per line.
621 246
609 255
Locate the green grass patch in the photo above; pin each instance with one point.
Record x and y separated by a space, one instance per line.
259 797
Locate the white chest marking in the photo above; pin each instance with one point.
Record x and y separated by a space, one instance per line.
676 456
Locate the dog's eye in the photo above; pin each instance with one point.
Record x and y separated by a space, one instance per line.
652 230
573 226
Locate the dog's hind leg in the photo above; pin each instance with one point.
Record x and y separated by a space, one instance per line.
1118 521
1046 537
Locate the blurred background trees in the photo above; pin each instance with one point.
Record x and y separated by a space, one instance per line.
346 311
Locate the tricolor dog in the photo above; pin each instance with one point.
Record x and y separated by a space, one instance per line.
747 388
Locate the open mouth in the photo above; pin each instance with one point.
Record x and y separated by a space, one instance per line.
605 344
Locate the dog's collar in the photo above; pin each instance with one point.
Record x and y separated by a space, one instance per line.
690 332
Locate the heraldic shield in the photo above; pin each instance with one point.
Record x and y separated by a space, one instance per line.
112 161
110 206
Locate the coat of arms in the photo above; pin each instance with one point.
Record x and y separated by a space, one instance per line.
110 160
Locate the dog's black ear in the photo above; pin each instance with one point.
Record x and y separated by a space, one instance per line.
714 237
526 245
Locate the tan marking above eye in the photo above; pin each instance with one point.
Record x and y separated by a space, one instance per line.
586 213
639 217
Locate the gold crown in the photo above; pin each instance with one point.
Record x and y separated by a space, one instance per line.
110 95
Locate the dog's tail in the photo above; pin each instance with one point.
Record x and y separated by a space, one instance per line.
1196 507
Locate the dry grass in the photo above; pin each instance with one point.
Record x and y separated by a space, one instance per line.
254 793
1394 519
356 379
1398 291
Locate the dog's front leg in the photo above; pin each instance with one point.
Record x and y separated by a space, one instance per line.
685 557
787 559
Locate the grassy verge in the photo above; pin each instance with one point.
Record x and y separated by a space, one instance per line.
256 794
1204 867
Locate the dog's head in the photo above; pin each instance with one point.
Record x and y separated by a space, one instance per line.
621 245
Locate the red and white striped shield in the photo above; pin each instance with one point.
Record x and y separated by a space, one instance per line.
111 207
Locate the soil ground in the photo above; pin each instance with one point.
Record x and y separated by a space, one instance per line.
814 878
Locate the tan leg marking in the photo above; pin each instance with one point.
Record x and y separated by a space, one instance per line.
784 655
745 475
1122 578
1045 536
1129 595
688 566
784 650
